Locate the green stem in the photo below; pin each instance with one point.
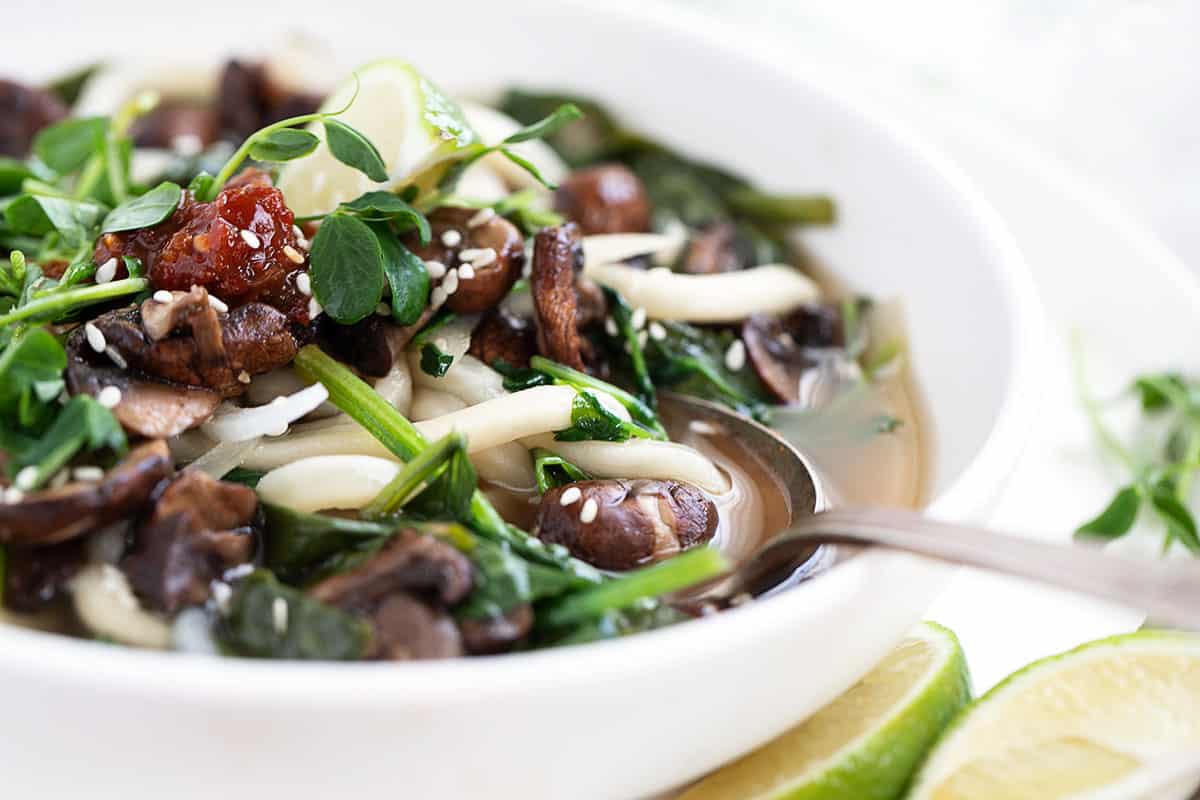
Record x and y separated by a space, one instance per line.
663 578
788 209
573 377
1107 438
43 189
92 172
422 469
54 305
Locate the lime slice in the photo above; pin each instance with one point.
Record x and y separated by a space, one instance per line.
416 127
1074 725
865 744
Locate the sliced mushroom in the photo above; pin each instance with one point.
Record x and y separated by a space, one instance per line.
23 112
490 277
628 522
174 122
34 577
199 528
782 351
557 257
248 99
714 249
492 635
502 336
58 515
608 198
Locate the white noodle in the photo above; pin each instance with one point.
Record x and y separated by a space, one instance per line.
338 436
610 248
508 465
327 482
271 419
279 382
725 297
225 456
468 378
106 605
506 418
638 458
397 386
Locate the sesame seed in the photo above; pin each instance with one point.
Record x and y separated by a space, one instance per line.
293 254
437 297
13 495
304 283
570 495
481 217
735 356
303 244
109 397
450 282
638 318
383 310
703 428
163 296
106 271
250 238
470 253
26 479
95 337
115 357
243 377
479 256
589 511
238 572
436 269
314 308
642 337
466 272
299 234
88 474
657 332
279 615
610 326
451 238
217 304
222 594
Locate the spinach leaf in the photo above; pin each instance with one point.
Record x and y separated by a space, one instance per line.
631 347
284 144
346 265
692 361
517 379
355 150
552 471
68 87
1116 519
406 275
244 476
591 421
380 206
424 470
82 425
311 630
449 496
433 361
67 145
145 211
297 544
639 411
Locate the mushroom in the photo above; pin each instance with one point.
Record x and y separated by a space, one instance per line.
503 336
58 515
783 350
495 250
607 198
248 99
405 589
23 112
491 635
714 249
621 524
177 123
557 256
34 577
200 527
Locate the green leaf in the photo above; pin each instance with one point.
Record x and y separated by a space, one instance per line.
59 305
528 166
517 379
1117 517
82 425
201 185
355 150
406 276
423 470
782 209
433 361
641 413
346 265
449 496
591 421
528 210
77 222
387 206
67 145
313 630
12 174
547 126
691 360
1181 525
145 211
285 144
631 347
552 471
1155 391
297 545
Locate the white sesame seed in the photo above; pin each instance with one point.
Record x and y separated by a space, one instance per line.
735 356
299 234
304 283
109 397
116 358
451 238
222 594
279 615
657 332
88 474
481 217
95 337
436 269
314 308
642 336
466 272
13 495
217 304
163 296
250 238
703 428
304 244
383 309
470 253
243 377
570 495
106 271
589 511
450 282
293 254
487 257
638 318
437 297
238 572
610 326
26 479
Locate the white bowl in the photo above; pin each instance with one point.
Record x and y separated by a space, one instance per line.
616 719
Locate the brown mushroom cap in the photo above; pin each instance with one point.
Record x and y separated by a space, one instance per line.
607 198
637 521
503 336
780 350
557 253
490 282
23 112
713 250
57 515
34 577
492 635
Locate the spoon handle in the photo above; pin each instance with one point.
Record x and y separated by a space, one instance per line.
1168 590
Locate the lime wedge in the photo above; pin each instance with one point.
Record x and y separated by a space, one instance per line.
865 744
1075 725
418 130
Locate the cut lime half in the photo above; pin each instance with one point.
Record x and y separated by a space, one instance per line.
865 744
417 129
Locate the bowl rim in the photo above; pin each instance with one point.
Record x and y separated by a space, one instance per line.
457 681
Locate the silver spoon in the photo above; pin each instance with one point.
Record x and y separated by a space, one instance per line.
1167 590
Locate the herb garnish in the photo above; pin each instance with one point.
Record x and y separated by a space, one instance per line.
591 421
552 470
145 211
346 266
